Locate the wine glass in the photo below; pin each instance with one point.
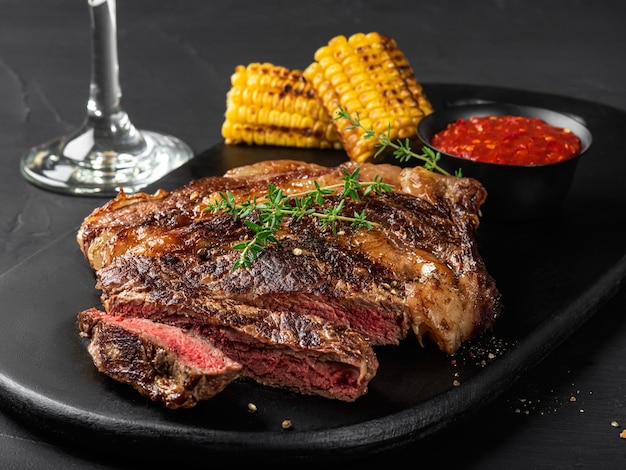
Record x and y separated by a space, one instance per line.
107 154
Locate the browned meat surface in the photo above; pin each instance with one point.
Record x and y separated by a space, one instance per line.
300 352
165 258
162 362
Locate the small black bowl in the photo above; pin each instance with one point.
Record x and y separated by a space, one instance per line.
515 192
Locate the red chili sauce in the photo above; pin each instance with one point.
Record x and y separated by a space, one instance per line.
511 140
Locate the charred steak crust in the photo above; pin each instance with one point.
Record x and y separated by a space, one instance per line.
164 258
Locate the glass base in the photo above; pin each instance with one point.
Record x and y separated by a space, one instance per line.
103 173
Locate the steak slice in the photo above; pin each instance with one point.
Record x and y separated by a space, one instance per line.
295 277
290 350
163 363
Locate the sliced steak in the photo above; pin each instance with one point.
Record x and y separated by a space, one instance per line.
299 352
307 313
162 362
420 269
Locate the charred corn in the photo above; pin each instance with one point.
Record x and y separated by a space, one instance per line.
368 74
273 105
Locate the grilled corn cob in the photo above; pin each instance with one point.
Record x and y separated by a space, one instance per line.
273 105
368 74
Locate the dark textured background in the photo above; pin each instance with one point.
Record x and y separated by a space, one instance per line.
175 62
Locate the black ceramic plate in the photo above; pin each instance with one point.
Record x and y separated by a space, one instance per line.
553 276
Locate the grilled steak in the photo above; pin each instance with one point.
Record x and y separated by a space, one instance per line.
165 258
162 362
303 353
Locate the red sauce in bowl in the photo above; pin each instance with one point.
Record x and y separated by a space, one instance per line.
510 140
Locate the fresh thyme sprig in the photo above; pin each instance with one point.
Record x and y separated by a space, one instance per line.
402 149
276 205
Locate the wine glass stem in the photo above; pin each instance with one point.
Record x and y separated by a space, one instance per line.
104 91
112 128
